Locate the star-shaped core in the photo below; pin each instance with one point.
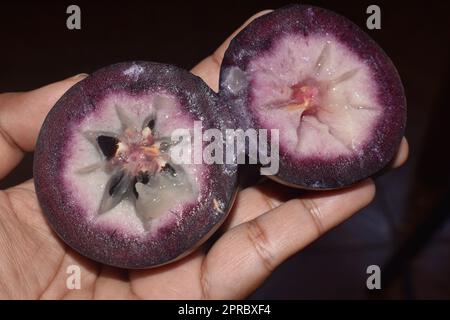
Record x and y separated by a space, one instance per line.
138 163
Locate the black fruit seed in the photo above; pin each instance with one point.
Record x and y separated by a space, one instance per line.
108 145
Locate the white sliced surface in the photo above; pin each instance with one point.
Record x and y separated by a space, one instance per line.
88 188
348 108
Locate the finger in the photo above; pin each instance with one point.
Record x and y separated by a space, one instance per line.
402 154
209 68
256 200
257 247
177 280
21 117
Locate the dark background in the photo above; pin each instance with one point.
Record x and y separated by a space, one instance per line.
405 230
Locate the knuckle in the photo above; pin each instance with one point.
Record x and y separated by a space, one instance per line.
269 203
311 208
8 140
261 244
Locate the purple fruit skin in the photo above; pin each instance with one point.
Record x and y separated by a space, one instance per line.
66 216
314 172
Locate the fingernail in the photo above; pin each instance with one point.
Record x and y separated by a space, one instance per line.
80 76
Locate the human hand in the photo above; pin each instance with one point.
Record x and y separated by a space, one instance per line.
268 224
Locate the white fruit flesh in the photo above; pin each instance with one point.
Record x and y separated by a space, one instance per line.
162 200
317 92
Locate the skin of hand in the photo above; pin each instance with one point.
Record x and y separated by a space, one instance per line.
264 228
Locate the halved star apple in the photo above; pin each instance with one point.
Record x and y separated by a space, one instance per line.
103 169
333 94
